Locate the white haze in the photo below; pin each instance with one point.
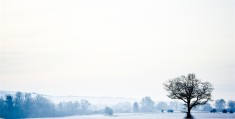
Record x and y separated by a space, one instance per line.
116 48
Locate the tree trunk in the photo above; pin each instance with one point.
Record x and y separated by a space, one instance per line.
188 113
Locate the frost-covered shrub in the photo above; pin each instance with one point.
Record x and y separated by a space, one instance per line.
108 111
170 110
213 111
224 111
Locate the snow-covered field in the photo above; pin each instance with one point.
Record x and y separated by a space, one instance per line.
153 116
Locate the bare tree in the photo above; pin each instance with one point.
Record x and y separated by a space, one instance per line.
135 107
147 104
190 90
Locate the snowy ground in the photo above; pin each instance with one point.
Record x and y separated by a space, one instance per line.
154 116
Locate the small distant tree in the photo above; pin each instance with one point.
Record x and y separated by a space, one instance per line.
220 104
18 105
9 102
28 105
207 107
108 111
2 107
136 107
147 104
190 90
231 105
44 106
85 105
162 106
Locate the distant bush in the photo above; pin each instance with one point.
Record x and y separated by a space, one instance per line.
108 111
213 111
170 110
224 111
231 111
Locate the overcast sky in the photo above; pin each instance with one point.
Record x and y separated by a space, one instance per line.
116 48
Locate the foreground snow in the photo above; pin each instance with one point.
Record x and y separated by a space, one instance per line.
153 116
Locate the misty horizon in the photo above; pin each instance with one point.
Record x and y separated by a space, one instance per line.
116 48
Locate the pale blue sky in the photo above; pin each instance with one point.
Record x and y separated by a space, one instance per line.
118 48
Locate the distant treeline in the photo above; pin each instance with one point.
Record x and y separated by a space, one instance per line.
26 105
222 106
